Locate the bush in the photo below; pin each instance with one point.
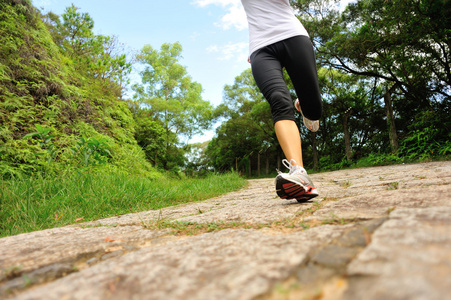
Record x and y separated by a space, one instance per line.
378 159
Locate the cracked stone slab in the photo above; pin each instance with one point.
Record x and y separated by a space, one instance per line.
367 193
409 258
122 259
229 264
353 182
375 205
34 250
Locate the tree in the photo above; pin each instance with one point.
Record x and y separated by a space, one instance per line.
243 98
109 63
405 45
247 129
171 96
149 135
349 102
95 56
403 42
197 161
76 29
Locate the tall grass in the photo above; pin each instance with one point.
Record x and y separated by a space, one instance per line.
36 203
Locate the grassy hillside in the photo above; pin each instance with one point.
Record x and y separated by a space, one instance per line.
76 116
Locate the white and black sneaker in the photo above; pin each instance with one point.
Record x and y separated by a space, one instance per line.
295 184
312 125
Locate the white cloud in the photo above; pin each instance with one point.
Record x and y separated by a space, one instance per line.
235 17
344 3
230 51
223 3
212 48
41 3
194 36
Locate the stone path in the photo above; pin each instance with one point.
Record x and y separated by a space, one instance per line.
374 233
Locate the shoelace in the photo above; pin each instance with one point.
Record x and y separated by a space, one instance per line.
292 165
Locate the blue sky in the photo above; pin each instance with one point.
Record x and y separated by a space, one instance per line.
213 34
214 51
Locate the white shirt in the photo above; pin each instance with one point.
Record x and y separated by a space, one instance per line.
270 21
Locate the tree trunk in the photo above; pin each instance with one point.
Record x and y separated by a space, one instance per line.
347 135
267 163
258 164
315 152
391 120
250 166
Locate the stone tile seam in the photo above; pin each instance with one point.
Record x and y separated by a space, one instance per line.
339 272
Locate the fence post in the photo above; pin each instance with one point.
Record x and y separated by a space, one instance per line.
267 162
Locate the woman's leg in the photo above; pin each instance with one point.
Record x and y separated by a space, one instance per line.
299 61
289 139
267 66
268 75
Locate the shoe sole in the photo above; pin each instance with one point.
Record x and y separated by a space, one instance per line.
287 190
313 126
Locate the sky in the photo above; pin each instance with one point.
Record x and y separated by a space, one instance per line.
213 34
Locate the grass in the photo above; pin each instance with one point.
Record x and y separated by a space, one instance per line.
194 228
36 203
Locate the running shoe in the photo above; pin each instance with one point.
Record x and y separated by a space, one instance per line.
311 125
295 184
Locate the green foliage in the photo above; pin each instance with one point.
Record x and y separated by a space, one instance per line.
168 95
374 48
150 136
60 86
329 163
426 138
351 115
247 128
91 152
198 162
378 159
44 137
75 31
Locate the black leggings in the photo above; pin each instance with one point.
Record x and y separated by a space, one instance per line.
297 56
